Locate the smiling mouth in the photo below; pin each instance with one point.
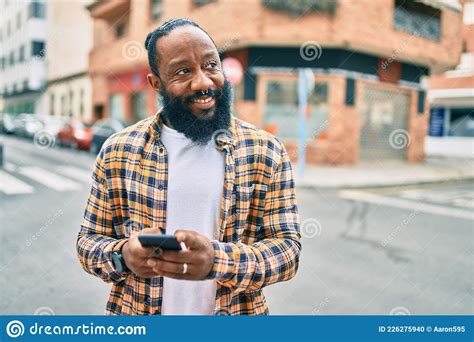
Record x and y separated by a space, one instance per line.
203 102
203 99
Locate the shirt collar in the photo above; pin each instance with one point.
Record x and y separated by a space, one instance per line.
225 139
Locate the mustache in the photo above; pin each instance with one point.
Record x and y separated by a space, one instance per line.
199 94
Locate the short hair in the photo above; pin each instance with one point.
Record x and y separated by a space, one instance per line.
164 30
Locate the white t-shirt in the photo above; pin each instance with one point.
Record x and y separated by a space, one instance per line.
195 186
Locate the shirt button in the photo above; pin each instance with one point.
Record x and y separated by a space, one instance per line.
161 150
160 187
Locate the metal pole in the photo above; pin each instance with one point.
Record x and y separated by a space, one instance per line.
302 103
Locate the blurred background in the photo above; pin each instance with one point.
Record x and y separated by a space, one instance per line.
374 101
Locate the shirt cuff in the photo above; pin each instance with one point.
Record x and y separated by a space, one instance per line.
223 268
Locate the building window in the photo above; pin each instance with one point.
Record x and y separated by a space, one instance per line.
12 58
2 62
117 105
281 110
25 85
199 3
120 30
71 102
21 57
156 9
9 29
37 49
51 104
18 20
418 19
63 105
37 10
81 102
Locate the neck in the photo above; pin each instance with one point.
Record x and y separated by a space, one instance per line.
167 123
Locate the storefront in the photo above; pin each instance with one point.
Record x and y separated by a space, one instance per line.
358 110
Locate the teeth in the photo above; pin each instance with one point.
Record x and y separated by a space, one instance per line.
209 99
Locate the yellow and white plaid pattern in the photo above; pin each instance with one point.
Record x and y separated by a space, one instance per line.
258 242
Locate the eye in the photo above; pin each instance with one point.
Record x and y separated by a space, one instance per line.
183 71
211 65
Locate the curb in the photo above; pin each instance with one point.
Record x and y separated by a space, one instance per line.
309 186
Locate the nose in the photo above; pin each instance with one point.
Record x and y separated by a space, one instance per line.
201 82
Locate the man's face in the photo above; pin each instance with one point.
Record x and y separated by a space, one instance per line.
195 94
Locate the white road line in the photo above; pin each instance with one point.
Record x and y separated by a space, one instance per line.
9 167
49 179
406 204
75 173
13 186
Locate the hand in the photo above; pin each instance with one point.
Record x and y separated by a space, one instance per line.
199 257
136 256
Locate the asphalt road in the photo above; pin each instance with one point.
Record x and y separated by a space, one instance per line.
386 251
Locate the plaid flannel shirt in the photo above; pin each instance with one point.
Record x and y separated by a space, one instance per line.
258 241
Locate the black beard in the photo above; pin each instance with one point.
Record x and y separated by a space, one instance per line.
200 130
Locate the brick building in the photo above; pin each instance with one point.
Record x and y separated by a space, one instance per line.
369 59
451 96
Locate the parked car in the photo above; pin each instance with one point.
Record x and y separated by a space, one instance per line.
103 129
26 125
75 134
7 123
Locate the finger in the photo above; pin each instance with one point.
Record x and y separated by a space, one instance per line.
179 257
189 237
144 252
160 266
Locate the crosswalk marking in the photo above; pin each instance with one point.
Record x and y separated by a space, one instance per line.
13 186
405 204
49 179
75 173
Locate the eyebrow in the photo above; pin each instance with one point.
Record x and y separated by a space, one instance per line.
178 61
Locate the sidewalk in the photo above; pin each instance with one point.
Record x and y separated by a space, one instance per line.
385 173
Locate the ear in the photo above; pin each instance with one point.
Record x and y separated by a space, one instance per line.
154 81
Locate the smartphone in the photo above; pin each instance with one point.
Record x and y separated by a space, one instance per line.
165 242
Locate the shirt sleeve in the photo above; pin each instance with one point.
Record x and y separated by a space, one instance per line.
275 257
97 239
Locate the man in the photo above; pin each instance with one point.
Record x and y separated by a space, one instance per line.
220 185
